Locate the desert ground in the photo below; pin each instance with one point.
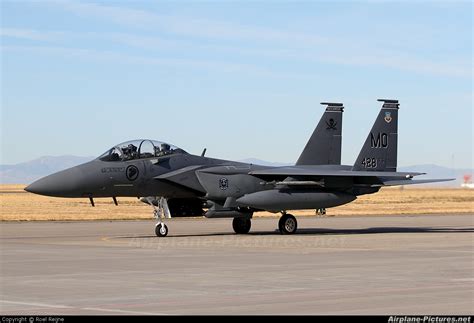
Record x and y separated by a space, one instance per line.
18 205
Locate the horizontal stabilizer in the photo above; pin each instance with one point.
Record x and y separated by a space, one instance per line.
413 182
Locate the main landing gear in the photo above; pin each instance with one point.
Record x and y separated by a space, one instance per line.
241 225
287 224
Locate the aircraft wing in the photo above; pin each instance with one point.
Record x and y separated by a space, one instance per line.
184 177
318 172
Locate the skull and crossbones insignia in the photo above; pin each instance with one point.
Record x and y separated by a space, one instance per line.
331 123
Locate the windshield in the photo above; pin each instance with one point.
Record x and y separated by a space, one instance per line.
139 149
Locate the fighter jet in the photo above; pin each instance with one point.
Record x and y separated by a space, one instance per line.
179 184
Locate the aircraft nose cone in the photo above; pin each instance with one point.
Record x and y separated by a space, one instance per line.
34 188
62 184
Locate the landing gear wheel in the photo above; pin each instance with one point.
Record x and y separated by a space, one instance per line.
288 224
161 230
241 225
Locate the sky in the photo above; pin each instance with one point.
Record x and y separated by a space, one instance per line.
242 78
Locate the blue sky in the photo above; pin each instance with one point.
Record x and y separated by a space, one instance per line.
242 78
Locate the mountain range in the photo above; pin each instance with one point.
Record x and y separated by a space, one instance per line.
28 172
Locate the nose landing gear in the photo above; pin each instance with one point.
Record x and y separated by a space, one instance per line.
161 230
161 211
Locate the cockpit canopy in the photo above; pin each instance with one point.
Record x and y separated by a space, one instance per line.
140 149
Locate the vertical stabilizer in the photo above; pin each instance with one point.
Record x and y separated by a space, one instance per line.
379 152
324 146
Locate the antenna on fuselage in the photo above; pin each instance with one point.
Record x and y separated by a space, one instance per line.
204 152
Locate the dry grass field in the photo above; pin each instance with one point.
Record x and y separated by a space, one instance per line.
18 205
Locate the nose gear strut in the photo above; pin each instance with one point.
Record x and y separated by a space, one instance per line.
161 212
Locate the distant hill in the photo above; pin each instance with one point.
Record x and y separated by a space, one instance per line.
28 172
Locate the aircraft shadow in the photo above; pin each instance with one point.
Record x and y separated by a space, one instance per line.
379 230
320 232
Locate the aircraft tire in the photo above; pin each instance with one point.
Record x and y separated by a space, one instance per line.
288 224
161 230
241 225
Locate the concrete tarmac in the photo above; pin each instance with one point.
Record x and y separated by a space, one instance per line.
347 265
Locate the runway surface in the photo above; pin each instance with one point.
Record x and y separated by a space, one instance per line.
361 265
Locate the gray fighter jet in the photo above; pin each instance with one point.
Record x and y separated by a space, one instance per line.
178 184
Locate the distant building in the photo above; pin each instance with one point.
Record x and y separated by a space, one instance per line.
467 182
